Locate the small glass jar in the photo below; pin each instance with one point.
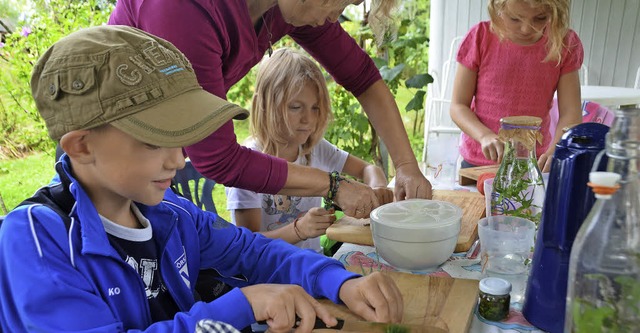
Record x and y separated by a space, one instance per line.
494 298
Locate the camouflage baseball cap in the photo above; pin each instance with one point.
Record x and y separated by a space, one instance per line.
137 82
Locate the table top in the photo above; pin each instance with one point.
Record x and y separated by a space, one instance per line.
460 265
611 96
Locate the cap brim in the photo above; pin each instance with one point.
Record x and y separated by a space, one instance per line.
180 121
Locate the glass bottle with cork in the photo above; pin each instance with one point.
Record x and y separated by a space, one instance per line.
604 268
518 187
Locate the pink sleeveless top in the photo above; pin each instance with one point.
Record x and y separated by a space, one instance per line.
512 81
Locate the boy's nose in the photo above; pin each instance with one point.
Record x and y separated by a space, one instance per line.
176 159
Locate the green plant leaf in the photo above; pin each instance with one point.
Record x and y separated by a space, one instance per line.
419 81
417 102
390 74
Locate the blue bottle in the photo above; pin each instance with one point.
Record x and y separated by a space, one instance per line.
568 200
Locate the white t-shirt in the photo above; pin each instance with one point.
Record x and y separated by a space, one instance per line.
280 210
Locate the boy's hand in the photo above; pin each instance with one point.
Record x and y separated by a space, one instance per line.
316 221
374 297
492 147
384 194
279 304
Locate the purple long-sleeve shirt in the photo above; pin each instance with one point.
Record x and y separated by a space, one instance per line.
219 39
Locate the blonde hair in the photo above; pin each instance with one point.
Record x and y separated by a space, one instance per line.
279 78
557 28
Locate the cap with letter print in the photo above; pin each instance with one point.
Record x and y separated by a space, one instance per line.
130 79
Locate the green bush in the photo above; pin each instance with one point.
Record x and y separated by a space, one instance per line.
49 21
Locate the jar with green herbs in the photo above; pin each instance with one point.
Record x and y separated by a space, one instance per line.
494 298
518 187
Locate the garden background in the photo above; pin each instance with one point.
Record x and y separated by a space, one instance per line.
27 153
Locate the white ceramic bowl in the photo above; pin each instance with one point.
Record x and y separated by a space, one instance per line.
416 234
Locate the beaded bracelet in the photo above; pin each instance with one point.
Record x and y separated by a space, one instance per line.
334 184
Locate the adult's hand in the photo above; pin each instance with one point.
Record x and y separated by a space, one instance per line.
384 194
315 222
356 199
411 183
374 297
279 304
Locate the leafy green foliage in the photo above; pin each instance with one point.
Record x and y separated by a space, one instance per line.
49 21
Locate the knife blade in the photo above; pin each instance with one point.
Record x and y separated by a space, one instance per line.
357 326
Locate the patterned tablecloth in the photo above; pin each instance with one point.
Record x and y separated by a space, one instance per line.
459 265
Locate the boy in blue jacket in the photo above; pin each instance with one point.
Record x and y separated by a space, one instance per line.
111 248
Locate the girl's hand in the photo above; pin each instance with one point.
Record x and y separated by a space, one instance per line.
384 194
280 304
374 297
492 147
315 222
544 162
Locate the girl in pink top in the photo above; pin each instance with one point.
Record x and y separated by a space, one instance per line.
512 66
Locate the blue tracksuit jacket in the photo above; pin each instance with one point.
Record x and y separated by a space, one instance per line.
55 278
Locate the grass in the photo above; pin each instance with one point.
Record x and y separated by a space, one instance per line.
20 178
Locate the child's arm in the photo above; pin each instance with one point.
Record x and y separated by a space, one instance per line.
371 175
464 87
569 113
312 224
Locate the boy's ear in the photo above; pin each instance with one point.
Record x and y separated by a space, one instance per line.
75 145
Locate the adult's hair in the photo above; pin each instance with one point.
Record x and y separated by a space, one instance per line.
279 78
558 22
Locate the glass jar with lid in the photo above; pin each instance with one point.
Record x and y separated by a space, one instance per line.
518 187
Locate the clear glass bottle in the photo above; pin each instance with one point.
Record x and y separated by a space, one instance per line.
518 187
604 268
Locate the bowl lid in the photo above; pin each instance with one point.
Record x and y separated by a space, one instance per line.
417 214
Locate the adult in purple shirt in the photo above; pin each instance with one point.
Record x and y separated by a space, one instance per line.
224 39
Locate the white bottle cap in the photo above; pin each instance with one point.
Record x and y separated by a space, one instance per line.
495 286
603 178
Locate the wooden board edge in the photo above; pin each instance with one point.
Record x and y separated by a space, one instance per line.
463 313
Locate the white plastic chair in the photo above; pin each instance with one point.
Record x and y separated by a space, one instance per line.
439 128
437 118
637 84
584 75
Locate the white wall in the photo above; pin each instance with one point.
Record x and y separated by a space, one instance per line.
609 30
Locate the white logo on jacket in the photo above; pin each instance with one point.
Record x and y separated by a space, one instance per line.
181 265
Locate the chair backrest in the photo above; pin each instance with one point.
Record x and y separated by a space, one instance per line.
195 187
584 75
441 134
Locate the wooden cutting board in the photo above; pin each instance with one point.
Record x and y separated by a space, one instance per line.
358 231
443 302
469 176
